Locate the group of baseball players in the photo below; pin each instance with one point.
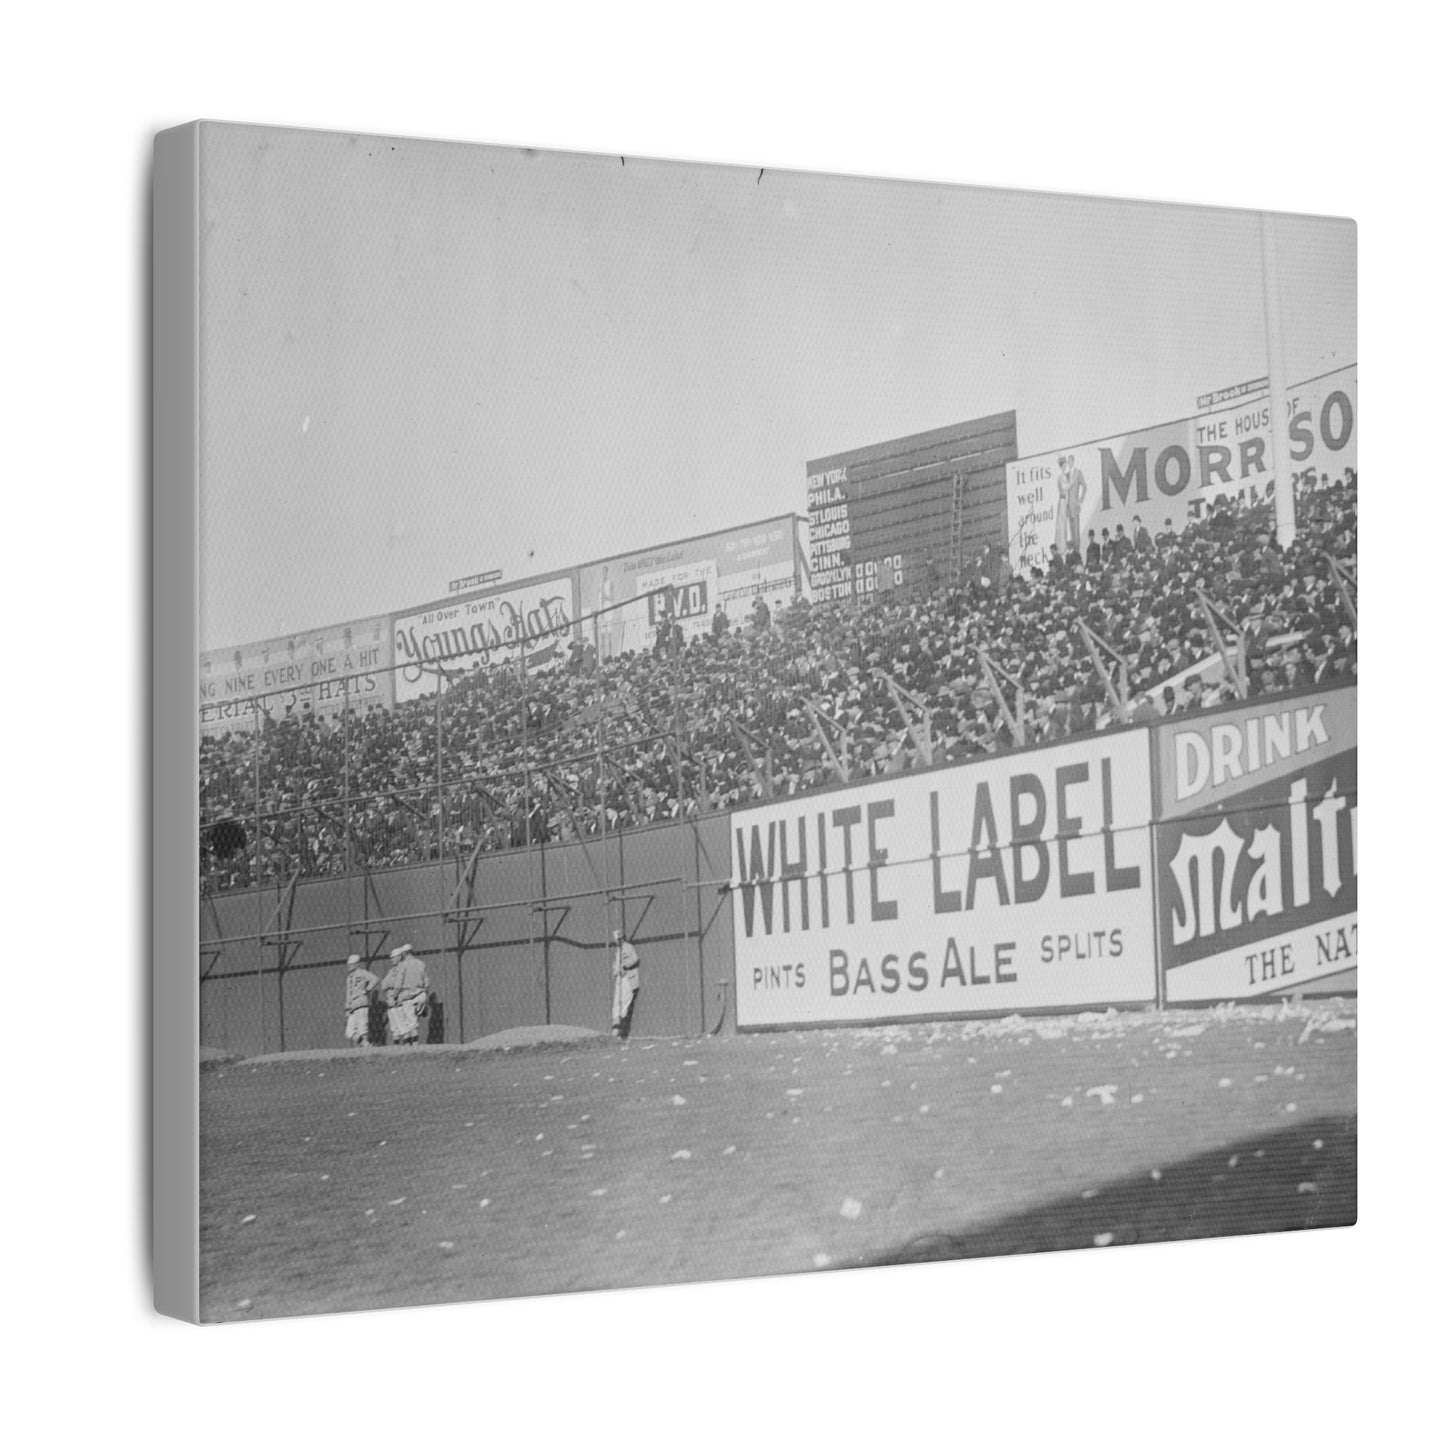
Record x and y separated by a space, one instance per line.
406 993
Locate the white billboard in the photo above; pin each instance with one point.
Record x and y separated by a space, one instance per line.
453 638
321 672
1020 882
732 569
684 596
1174 471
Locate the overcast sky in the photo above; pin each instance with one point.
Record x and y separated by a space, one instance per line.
424 360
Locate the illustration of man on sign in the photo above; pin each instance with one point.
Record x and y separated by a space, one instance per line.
1074 489
1061 508
1069 510
605 598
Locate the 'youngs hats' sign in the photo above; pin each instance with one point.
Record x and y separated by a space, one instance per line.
451 639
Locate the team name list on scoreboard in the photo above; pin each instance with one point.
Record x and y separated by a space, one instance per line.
830 535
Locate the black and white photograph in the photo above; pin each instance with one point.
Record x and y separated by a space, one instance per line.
684 716
755 722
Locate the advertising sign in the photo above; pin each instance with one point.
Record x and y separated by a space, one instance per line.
477 579
1175 471
1015 883
308 672
684 595
1257 847
453 638
1211 399
733 568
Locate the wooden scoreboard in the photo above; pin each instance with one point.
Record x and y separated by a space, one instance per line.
899 512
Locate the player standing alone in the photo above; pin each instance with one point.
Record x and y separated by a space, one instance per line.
625 985
359 983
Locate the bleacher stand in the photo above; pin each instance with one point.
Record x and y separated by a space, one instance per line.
663 734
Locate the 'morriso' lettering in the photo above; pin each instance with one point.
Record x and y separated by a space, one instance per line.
1125 479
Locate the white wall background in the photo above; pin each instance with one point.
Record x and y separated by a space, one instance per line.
1328 109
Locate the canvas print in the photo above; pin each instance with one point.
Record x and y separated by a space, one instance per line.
753 723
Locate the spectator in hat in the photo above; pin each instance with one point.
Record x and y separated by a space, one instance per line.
1093 557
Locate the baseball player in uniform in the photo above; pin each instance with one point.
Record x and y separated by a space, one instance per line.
625 984
360 981
404 991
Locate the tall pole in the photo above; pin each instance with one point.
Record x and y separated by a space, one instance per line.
602 803
346 801
527 835
682 819
260 901
441 809
1278 401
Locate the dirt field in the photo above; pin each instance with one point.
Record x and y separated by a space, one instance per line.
390 1178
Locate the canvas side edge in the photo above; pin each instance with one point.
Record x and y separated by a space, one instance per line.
175 985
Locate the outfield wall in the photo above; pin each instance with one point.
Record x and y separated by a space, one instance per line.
531 948
1192 860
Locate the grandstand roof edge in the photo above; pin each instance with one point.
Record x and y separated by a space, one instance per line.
556 574
978 424
697 537
284 637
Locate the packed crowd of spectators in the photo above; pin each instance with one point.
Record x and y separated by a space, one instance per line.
699 726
